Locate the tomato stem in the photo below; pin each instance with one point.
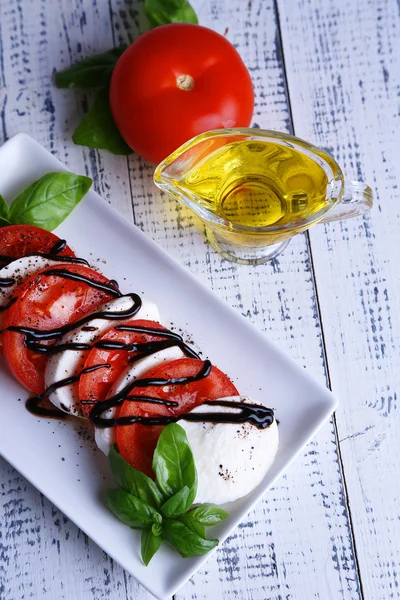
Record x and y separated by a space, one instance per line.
185 82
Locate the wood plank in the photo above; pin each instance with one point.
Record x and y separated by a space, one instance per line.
45 555
297 543
344 86
269 556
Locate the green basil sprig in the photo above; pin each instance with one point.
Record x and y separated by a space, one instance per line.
161 508
4 212
47 202
93 72
160 12
98 129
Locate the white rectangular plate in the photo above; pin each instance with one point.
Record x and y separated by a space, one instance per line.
60 458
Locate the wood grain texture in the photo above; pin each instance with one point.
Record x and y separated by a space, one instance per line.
344 88
44 555
297 543
281 312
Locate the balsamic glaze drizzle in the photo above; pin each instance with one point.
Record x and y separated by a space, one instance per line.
6 260
76 260
97 411
6 282
34 404
58 246
32 334
35 407
258 415
9 303
144 348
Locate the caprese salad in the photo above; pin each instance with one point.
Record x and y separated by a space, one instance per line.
72 337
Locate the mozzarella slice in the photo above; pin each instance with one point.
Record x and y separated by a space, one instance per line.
20 270
70 362
106 437
231 459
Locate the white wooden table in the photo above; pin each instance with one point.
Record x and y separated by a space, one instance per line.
329 71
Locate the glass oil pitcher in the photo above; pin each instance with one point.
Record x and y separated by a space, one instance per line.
254 189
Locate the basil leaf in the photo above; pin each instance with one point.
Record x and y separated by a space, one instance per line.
173 462
4 210
157 518
130 510
93 72
98 129
49 200
193 525
133 481
4 222
160 12
156 529
202 516
185 540
207 514
177 504
150 543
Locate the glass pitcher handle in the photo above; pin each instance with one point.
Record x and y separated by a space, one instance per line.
356 201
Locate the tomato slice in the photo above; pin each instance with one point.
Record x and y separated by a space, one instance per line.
95 385
136 443
17 241
48 302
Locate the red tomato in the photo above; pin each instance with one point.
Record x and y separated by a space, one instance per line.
47 302
95 385
174 82
17 241
136 443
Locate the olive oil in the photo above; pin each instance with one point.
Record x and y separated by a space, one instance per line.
257 183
